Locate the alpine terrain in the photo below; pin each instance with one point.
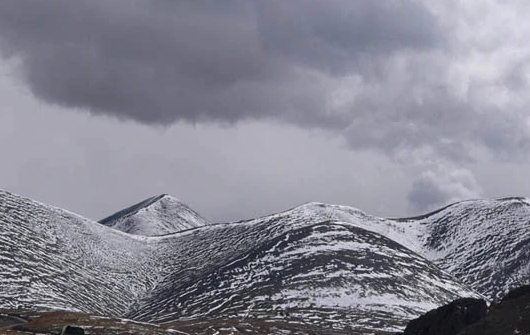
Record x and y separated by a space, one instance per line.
307 270
155 216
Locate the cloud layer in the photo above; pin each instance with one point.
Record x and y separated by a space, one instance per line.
164 61
435 187
448 77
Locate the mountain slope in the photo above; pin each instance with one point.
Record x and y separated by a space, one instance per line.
484 243
329 274
51 258
306 263
158 215
326 265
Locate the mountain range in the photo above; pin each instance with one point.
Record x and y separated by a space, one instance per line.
316 265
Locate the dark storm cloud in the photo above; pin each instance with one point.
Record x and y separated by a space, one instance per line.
164 61
329 36
433 88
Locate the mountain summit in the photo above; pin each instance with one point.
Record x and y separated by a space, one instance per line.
159 215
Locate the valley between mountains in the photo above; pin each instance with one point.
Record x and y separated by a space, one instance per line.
308 270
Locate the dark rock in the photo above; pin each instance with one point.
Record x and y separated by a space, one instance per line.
449 319
510 316
517 293
468 317
72 330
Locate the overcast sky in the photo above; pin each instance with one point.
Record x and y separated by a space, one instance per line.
242 108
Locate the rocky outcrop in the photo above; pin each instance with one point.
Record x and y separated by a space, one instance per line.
471 317
510 316
521 292
449 319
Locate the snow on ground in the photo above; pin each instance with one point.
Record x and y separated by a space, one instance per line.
333 262
155 216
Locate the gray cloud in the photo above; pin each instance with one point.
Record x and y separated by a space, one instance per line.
164 61
95 166
438 187
330 37
396 77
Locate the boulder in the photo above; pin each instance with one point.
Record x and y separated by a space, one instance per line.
449 319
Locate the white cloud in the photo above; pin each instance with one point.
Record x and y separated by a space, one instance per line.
441 186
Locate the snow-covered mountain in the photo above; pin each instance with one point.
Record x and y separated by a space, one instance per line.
484 243
327 265
51 258
330 272
158 215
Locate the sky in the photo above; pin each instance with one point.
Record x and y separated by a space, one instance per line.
244 108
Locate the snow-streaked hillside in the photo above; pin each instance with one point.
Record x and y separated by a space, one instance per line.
158 215
485 243
327 265
294 265
51 258
331 274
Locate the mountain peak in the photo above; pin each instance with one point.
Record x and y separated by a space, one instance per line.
158 215
315 265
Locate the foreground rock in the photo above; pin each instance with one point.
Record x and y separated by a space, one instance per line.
449 319
510 316
471 317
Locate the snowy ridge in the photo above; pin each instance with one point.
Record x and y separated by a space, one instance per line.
485 243
327 265
51 258
332 273
158 215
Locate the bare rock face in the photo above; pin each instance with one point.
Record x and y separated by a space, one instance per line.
449 319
